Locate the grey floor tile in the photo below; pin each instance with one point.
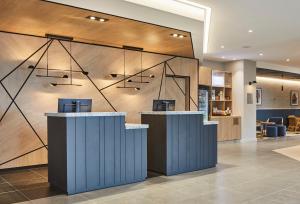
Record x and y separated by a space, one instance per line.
12 197
247 173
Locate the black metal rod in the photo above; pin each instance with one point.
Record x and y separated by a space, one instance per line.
71 67
32 71
178 84
141 67
124 67
136 74
48 62
24 61
62 70
35 132
88 76
22 155
161 80
13 98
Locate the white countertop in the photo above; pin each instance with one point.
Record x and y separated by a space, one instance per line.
210 122
172 112
136 126
85 114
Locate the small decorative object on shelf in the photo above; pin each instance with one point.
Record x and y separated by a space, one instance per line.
221 94
213 95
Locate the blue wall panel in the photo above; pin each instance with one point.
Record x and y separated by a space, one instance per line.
92 153
99 153
264 114
189 145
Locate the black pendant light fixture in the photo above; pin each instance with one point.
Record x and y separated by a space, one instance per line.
124 75
70 73
114 76
47 69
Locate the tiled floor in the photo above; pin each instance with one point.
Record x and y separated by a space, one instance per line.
247 173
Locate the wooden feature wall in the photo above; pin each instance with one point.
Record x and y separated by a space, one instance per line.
37 18
38 97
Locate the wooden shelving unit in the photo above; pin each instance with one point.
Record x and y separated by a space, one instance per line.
229 127
220 93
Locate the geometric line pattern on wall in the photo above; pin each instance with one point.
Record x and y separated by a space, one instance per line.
48 44
174 74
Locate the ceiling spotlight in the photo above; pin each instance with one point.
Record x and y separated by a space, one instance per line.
222 46
151 76
95 18
176 35
129 80
261 54
137 89
30 67
288 60
65 76
92 17
250 31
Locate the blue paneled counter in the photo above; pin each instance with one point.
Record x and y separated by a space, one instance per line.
180 142
89 151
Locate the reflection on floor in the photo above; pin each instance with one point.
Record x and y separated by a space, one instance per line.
247 173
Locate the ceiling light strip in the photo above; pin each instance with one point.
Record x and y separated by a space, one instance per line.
206 21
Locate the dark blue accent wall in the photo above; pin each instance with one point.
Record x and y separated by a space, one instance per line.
90 153
264 114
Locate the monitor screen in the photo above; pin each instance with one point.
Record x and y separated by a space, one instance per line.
74 105
163 105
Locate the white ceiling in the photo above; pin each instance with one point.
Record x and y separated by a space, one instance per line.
275 25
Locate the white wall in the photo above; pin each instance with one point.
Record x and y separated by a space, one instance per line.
249 119
242 73
213 64
145 14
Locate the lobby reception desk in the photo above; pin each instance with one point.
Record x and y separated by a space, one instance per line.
180 142
89 151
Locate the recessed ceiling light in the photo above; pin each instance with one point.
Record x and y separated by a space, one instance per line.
222 46
95 18
288 59
261 54
250 31
92 17
176 35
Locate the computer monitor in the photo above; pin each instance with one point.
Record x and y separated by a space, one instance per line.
163 105
74 105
